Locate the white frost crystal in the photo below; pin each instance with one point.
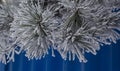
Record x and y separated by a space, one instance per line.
72 27
31 29
7 46
6 50
88 25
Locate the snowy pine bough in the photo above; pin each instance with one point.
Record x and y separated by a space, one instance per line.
72 27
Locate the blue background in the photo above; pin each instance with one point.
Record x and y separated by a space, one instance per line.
107 59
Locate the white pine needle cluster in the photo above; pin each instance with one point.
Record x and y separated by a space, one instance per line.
31 29
6 47
88 25
72 27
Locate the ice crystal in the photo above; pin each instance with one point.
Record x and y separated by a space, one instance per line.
7 46
31 29
87 25
5 39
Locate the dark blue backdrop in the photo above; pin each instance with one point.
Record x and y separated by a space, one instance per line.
107 59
